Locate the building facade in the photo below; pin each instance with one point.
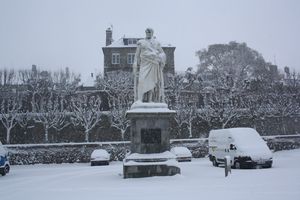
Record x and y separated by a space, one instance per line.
119 55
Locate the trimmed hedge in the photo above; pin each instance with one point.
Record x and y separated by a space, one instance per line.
80 152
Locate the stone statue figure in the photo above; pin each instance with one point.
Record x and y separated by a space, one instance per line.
148 67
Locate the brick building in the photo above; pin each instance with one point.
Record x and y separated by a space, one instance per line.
119 54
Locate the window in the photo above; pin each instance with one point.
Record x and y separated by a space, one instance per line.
131 41
130 58
115 58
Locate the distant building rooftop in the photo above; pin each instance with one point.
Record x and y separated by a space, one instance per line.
126 42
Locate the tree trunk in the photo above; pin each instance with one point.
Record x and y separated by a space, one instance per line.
46 134
190 129
283 126
86 132
223 125
33 103
122 134
8 136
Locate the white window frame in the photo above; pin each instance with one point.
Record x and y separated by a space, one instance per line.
115 58
130 58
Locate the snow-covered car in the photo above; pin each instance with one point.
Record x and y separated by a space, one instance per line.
4 161
100 157
182 154
244 146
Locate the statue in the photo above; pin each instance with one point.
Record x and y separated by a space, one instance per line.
148 67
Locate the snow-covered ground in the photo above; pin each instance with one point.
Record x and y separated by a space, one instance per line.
199 180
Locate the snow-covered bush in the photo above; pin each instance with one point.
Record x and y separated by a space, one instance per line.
81 152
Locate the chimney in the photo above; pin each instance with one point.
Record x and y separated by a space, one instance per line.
108 36
287 71
34 70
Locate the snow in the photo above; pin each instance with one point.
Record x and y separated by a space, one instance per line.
164 158
172 162
198 180
247 141
141 107
120 43
2 150
164 155
67 144
181 151
100 154
247 137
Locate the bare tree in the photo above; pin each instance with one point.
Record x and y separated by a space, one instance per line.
86 113
119 120
38 84
7 77
119 87
49 114
65 84
10 108
182 89
282 106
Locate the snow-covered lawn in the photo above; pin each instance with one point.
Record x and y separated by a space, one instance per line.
199 180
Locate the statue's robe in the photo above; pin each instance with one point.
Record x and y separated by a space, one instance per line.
148 67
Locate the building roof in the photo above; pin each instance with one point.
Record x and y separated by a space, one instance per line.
121 44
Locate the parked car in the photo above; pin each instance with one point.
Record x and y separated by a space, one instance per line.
100 157
182 154
245 147
4 161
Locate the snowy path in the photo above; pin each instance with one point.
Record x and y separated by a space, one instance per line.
199 180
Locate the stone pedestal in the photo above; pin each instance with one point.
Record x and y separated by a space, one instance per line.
150 142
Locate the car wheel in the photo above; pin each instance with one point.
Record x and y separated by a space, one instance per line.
269 166
6 169
258 167
2 172
237 165
92 164
215 163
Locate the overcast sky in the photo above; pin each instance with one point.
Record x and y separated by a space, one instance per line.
54 34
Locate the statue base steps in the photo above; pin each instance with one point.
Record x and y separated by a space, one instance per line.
146 165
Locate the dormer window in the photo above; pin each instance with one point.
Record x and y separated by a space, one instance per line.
131 41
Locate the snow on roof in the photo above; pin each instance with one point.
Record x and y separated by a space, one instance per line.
246 136
97 153
120 43
181 151
245 139
88 78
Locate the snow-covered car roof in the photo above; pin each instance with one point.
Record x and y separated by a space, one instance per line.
100 153
181 151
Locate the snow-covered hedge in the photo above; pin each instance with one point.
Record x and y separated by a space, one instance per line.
62 153
81 152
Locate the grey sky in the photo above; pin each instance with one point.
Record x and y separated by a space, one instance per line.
57 33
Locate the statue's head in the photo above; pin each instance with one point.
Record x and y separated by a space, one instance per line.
149 33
